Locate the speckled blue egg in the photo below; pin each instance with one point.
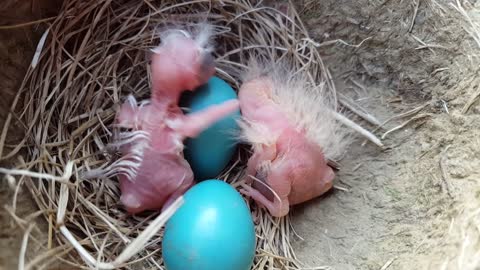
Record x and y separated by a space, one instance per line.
212 230
210 152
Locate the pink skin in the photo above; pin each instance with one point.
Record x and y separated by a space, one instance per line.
163 174
292 166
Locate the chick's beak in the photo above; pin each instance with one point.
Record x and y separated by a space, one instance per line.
206 67
261 184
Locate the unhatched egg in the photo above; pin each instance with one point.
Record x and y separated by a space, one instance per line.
210 152
212 230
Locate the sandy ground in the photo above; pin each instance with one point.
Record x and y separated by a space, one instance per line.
397 204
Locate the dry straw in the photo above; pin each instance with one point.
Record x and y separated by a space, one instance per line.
92 56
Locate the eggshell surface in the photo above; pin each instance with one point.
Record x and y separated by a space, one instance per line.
210 152
212 230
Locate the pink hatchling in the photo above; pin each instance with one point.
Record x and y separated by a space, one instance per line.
293 132
152 171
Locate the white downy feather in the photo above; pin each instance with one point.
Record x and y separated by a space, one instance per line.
309 107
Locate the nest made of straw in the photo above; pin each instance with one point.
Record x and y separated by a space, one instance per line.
92 56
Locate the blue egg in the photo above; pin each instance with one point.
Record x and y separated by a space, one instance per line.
212 230
210 152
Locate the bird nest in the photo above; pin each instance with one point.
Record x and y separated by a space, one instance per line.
92 56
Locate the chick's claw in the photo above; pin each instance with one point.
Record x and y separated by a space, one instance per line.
275 208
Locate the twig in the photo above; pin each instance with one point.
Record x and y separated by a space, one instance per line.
341 188
439 70
359 129
404 114
388 263
445 106
430 46
330 42
39 49
470 102
359 111
427 46
405 123
5 27
444 172
61 179
23 249
417 4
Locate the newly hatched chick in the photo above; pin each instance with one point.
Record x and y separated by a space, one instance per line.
293 133
152 171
